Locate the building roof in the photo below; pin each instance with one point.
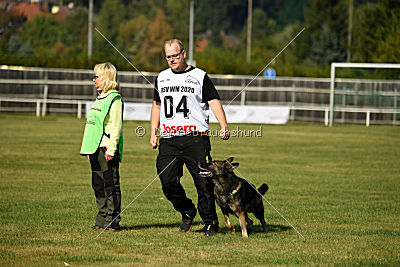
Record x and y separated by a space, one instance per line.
28 10
31 9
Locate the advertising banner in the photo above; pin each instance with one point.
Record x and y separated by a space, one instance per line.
234 113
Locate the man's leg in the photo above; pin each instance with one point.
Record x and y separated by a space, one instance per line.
170 180
198 152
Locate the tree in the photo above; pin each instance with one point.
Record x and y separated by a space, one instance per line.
388 49
9 25
262 27
42 30
76 25
326 24
289 12
216 19
152 48
111 15
326 47
177 13
375 39
132 34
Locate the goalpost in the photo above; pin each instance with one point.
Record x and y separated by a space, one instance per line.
335 65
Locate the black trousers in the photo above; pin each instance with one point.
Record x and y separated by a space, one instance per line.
105 183
188 150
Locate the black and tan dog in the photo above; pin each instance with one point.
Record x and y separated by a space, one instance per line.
235 195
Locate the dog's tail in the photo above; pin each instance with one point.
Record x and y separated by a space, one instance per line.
263 188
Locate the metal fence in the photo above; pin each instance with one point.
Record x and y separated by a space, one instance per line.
48 91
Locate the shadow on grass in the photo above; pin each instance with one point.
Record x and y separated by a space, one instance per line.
256 228
155 225
222 228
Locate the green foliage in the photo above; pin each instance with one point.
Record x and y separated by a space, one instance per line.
152 48
290 12
388 50
177 14
42 31
132 35
14 45
110 17
9 25
326 47
76 26
139 28
325 38
376 39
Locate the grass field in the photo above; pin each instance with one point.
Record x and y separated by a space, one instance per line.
339 186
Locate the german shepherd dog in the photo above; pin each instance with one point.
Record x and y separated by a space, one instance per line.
235 195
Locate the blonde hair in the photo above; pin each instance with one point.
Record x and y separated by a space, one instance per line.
107 75
176 41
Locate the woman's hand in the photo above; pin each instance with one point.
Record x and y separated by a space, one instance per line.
108 157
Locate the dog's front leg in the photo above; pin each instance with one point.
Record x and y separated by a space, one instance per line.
242 221
225 212
228 223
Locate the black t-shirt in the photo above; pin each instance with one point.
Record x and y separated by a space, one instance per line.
209 92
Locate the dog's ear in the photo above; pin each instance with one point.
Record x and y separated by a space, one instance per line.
229 159
233 166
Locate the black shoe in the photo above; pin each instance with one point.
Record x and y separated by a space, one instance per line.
210 229
187 220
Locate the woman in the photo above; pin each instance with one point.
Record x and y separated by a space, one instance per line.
103 142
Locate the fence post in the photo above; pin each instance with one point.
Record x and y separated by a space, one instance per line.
79 109
243 95
38 108
45 94
326 116
395 106
344 104
367 118
293 100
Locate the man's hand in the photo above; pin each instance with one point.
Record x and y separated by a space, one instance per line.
224 133
153 141
155 122
220 115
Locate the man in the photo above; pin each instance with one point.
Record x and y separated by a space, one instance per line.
182 97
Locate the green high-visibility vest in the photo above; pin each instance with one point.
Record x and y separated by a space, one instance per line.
94 129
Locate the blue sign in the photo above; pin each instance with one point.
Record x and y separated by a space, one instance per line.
270 73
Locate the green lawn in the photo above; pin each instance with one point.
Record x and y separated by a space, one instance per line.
339 186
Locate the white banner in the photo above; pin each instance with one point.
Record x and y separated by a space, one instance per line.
234 114
132 111
255 114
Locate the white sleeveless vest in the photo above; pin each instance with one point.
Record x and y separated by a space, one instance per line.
182 110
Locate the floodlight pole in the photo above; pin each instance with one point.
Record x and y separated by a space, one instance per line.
90 30
350 27
249 22
191 24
